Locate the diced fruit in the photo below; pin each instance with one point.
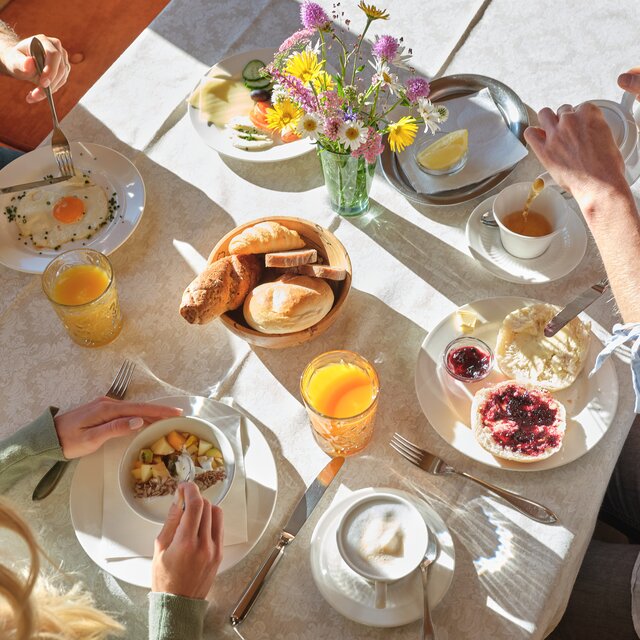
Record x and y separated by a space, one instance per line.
193 449
156 459
137 464
146 456
213 453
145 472
162 447
185 434
160 470
204 447
219 462
176 440
137 474
190 441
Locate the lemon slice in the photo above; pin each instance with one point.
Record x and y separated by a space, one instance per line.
446 152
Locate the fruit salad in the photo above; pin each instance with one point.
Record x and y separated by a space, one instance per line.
158 469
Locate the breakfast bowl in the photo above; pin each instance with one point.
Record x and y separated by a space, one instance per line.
150 491
330 252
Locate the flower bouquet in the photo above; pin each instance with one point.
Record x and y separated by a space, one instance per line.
349 112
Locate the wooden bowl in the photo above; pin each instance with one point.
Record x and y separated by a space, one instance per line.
332 252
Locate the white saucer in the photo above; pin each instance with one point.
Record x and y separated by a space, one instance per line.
354 597
87 488
561 258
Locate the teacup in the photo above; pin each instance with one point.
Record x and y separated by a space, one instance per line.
382 538
549 204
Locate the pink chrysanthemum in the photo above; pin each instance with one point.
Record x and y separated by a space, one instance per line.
302 36
417 88
371 148
313 16
331 127
385 47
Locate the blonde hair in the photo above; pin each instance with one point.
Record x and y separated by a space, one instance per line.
33 609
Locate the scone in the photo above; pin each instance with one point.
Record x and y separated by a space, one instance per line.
290 303
525 354
520 422
265 237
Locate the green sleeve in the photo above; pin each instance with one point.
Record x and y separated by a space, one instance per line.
25 450
175 617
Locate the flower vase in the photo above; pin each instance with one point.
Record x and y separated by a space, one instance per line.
348 181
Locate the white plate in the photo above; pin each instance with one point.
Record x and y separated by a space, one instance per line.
217 138
353 596
109 169
87 488
562 257
590 402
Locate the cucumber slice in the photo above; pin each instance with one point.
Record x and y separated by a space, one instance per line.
252 69
265 83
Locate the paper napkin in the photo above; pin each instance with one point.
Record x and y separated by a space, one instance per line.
127 535
493 147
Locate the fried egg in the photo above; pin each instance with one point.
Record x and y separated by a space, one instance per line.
59 213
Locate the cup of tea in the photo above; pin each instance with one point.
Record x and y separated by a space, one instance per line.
528 236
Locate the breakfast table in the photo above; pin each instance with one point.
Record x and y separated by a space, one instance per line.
411 267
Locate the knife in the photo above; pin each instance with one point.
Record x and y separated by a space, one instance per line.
302 512
585 299
33 185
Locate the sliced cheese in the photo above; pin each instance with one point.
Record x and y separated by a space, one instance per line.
221 98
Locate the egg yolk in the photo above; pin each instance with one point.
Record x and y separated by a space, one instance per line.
68 209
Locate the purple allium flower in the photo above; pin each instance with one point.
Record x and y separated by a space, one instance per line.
331 127
313 16
416 88
385 47
302 36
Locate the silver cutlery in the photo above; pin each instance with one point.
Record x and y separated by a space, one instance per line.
488 219
300 515
428 631
117 391
585 299
59 142
438 467
34 185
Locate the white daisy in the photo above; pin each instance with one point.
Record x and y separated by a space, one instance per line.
352 134
400 60
384 76
309 126
278 93
432 114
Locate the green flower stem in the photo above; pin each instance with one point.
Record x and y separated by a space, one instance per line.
388 111
357 51
324 51
375 105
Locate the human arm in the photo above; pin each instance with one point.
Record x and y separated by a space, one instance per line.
16 61
187 555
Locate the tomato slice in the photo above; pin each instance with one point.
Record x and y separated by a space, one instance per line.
290 136
262 107
259 119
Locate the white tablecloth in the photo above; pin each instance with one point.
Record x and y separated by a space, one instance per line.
513 577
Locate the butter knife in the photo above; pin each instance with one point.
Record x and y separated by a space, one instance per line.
302 512
585 299
32 185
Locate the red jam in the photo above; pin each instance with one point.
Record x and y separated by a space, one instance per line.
522 420
469 362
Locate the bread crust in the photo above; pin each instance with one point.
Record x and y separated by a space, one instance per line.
265 237
221 287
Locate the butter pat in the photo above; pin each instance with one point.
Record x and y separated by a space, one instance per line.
466 320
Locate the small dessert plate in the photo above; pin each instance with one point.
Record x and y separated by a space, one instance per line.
353 596
563 255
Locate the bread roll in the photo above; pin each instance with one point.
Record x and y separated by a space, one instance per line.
520 422
265 237
221 287
290 303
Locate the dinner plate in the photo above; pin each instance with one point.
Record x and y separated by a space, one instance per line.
353 596
510 106
590 402
561 258
217 138
108 168
87 488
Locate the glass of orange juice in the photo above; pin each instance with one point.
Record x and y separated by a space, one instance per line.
340 390
82 289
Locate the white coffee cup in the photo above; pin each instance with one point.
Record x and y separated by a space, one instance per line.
383 538
549 203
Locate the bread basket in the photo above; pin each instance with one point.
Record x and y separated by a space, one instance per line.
332 252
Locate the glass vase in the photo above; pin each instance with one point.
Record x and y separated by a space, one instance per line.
348 181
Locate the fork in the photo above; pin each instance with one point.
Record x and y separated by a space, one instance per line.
59 142
438 467
117 391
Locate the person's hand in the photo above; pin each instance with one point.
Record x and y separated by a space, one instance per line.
577 148
19 63
84 430
188 550
630 81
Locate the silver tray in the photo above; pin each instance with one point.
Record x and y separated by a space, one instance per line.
510 106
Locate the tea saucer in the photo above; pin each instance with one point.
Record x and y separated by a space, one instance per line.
353 596
561 258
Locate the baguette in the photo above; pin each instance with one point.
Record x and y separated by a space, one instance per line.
221 287
265 237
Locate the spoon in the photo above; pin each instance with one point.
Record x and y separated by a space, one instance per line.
187 470
428 632
536 187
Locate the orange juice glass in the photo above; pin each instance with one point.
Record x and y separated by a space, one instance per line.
340 390
81 288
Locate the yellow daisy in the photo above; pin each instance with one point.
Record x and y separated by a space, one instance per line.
305 66
283 115
372 12
402 133
323 82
